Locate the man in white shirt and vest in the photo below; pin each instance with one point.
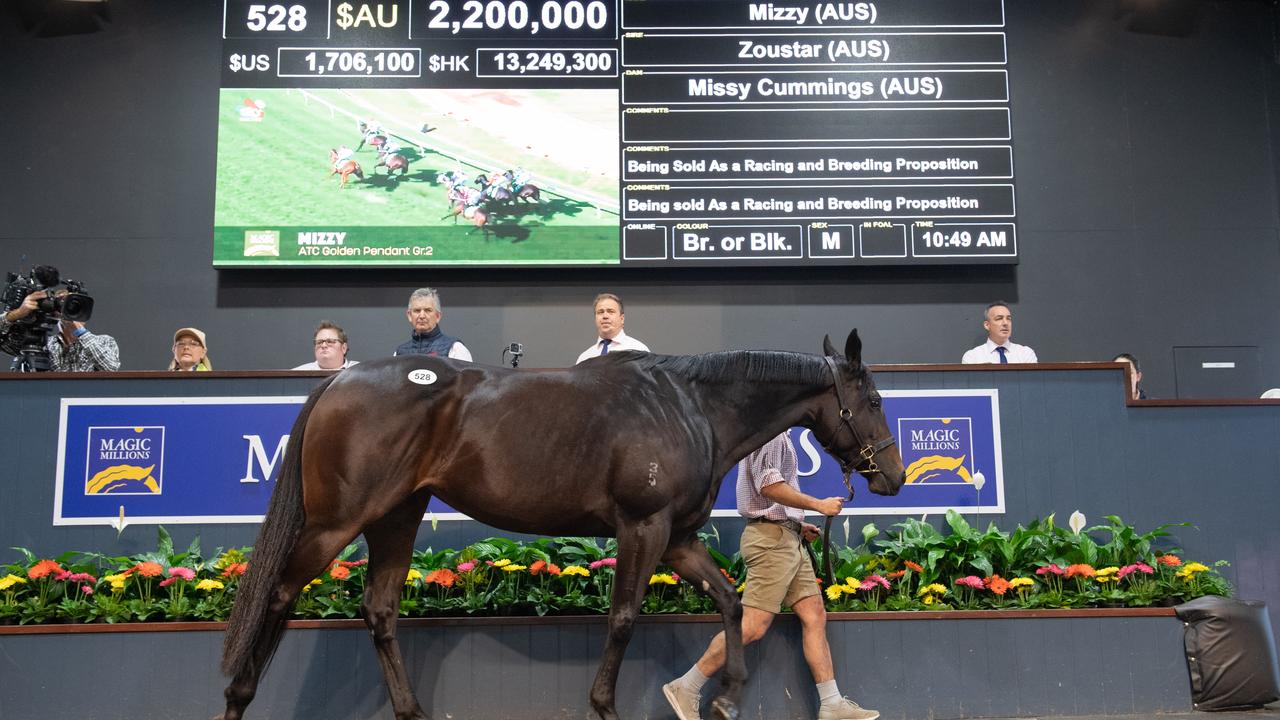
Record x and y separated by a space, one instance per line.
999 349
609 321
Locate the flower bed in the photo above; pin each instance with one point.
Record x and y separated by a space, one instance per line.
911 566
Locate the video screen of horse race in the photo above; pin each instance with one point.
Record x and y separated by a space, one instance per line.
613 133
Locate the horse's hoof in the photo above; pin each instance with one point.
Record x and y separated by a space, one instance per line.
722 709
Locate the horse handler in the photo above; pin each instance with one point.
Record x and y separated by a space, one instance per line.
778 573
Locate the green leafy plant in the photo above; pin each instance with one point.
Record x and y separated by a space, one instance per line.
914 565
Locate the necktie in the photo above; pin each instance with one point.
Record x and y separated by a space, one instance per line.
604 346
1004 354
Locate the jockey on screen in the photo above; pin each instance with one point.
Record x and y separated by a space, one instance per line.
343 154
389 148
369 129
519 178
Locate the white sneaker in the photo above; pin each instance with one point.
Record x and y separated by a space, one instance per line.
846 709
683 700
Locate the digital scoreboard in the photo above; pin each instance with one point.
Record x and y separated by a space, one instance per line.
614 132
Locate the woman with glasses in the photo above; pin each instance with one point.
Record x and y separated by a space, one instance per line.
190 353
331 349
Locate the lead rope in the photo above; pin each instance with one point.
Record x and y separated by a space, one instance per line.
827 573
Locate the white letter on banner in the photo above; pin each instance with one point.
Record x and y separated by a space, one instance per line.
256 450
806 446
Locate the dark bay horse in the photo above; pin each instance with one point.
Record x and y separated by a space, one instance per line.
392 163
631 445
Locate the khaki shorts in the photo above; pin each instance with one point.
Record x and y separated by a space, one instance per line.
778 570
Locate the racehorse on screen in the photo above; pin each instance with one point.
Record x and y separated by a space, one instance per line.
346 168
632 445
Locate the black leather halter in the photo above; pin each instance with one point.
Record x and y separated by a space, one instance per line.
866 463
866 466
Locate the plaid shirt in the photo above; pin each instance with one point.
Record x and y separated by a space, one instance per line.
775 462
89 353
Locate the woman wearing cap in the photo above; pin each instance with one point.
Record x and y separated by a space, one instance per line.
190 353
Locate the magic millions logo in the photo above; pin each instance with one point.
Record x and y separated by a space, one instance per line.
262 243
125 461
937 451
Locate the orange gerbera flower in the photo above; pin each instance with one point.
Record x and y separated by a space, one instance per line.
553 569
1169 560
913 566
443 577
728 577
537 567
1081 570
996 584
149 569
896 574
339 572
235 569
43 569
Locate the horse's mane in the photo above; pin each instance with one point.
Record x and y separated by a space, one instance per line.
738 365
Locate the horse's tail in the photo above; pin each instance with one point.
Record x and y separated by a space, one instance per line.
276 539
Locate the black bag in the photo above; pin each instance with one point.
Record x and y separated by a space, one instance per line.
1231 653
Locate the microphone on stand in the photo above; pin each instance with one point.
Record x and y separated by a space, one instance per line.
516 351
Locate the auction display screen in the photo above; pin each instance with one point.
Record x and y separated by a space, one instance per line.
613 132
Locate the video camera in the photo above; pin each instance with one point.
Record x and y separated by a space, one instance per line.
25 339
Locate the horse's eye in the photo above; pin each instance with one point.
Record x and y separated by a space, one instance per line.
875 402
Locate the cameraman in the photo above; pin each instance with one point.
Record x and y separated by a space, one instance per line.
73 348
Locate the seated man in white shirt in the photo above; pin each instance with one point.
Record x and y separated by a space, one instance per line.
331 349
609 322
998 322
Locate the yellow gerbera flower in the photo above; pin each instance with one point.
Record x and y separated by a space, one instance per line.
10 580
511 568
208 585
576 570
414 576
662 579
932 589
502 563
1021 582
852 583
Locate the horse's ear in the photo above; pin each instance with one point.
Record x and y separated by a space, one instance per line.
853 348
827 348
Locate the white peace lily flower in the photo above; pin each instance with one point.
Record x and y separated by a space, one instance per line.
979 480
1076 522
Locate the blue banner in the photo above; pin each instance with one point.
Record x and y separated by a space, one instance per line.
950 445
216 459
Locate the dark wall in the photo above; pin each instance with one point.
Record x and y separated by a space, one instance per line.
1146 181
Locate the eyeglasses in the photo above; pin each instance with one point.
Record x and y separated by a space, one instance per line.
187 344
328 341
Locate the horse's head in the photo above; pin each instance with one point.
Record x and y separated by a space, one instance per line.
851 423
333 154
